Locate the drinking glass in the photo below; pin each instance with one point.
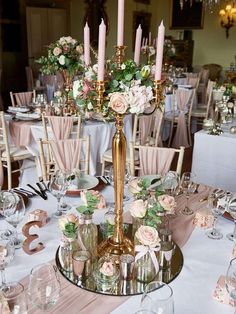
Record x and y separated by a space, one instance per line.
7 199
216 202
58 186
7 252
170 182
230 280
158 297
14 294
44 286
232 210
188 186
14 213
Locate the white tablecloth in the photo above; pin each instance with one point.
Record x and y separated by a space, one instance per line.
204 261
214 160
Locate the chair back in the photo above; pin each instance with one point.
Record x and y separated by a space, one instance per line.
22 99
204 76
62 127
193 81
154 160
143 128
158 123
4 140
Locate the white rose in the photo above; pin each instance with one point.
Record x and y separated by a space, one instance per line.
138 208
62 60
133 186
148 236
167 202
57 51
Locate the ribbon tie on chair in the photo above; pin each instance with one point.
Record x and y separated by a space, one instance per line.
143 250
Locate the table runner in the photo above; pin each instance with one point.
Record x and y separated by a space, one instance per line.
74 300
20 132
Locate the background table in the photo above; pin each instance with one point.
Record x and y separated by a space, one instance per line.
214 160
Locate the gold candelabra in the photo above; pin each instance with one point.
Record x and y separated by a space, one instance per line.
119 55
158 87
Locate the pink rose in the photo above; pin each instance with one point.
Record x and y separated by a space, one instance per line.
167 202
107 269
57 51
66 48
133 186
148 236
118 103
79 49
138 208
86 88
69 218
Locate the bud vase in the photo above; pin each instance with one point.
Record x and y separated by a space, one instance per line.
67 246
89 235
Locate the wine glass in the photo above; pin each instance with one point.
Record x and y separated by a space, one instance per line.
7 198
7 252
14 213
170 182
230 280
58 186
14 295
232 210
188 186
216 202
158 297
44 286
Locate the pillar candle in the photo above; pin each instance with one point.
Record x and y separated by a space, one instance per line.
120 23
138 45
159 51
101 51
86 44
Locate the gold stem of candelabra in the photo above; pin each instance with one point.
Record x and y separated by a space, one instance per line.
100 89
119 55
118 244
158 87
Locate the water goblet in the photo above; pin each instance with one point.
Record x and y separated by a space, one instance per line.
44 286
232 211
230 280
58 186
216 203
188 186
14 213
7 198
158 297
7 252
14 296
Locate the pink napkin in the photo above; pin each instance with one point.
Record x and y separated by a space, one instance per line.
20 133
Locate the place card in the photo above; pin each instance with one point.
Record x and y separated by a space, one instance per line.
38 215
221 294
31 237
203 219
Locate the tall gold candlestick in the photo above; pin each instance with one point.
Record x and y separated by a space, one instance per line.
158 87
100 89
119 55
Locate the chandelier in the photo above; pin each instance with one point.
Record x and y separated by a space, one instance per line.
208 4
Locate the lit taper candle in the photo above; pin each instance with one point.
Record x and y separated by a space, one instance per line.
159 50
138 40
86 44
101 51
120 23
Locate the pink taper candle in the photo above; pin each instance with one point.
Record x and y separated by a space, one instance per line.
86 44
138 40
101 51
159 51
120 23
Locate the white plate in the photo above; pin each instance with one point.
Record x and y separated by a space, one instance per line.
86 182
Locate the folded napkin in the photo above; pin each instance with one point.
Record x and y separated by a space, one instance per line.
28 115
18 109
221 294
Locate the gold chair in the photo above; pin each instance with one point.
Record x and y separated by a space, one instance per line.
163 152
22 99
10 153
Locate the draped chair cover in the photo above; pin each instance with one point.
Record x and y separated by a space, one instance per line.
66 153
193 81
158 120
61 126
23 99
155 160
145 127
183 97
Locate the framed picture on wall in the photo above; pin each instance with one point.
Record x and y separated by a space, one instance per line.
190 16
143 18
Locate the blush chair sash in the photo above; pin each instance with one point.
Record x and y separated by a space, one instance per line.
61 127
145 127
155 160
23 99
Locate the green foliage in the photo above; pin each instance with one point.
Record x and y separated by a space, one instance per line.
92 202
70 230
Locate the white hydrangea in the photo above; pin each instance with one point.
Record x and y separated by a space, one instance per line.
62 60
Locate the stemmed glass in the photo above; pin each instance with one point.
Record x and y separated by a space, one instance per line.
170 182
188 186
7 252
158 297
232 210
230 280
14 295
14 213
58 186
217 203
44 286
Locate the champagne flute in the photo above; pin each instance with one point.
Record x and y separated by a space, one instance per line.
7 252
58 186
14 296
44 286
230 280
188 186
158 297
14 214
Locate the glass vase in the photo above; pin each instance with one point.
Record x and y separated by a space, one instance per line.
89 235
66 249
